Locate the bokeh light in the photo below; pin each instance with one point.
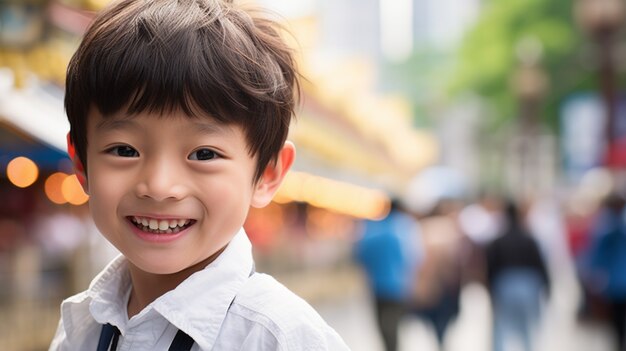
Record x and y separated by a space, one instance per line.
22 172
73 191
53 187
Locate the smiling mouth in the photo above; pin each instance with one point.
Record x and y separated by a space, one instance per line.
161 226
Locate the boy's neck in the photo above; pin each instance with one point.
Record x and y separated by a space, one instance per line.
147 287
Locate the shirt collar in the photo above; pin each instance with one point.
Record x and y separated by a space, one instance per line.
197 306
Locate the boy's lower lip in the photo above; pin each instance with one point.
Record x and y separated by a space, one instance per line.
160 238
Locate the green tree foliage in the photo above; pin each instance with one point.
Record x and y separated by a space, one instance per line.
487 58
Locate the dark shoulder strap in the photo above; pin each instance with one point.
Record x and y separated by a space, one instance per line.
181 342
110 335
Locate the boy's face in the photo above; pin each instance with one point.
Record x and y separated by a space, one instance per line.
171 191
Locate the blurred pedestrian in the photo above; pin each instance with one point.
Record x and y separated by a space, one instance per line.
438 283
582 213
516 277
480 222
605 276
389 253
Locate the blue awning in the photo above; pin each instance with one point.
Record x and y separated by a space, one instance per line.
15 143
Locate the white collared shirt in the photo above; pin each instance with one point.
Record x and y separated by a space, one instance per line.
221 307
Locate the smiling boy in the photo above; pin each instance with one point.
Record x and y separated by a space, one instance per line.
179 113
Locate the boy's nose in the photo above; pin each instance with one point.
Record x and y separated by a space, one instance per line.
161 181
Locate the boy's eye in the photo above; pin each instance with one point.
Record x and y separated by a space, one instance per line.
123 151
202 155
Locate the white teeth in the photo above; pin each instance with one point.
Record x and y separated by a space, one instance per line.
154 224
161 225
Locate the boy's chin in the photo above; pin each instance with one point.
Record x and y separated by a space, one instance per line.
162 266
166 266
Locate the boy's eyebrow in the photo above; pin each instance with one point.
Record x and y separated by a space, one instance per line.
209 128
124 123
116 123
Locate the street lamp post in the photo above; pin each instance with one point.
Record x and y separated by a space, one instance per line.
530 85
602 19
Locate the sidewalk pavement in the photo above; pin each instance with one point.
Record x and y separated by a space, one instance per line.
353 318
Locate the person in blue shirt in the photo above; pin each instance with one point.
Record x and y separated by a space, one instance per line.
604 270
389 253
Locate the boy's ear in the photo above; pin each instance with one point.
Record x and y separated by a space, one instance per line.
79 169
273 176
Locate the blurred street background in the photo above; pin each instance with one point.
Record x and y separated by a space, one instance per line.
455 109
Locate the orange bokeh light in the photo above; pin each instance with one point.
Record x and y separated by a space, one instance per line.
72 191
53 188
22 172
